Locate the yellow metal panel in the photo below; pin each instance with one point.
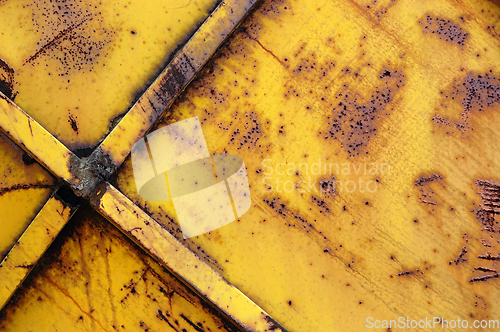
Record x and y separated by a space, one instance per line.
78 65
95 279
32 245
24 188
311 93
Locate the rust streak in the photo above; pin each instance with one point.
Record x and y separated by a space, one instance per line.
265 49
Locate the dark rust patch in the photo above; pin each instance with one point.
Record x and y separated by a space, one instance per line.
321 204
73 33
417 273
476 93
354 121
484 269
444 28
7 80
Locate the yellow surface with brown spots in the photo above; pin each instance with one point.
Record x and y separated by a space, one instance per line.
364 203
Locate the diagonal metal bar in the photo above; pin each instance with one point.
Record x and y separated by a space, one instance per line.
172 254
32 244
169 84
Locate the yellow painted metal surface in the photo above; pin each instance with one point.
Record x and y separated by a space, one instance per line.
95 279
24 188
370 134
78 65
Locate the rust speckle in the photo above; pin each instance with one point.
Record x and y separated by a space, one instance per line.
484 269
445 29
72 33
476 93
354 120
489 257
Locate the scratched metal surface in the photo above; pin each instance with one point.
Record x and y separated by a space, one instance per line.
412 87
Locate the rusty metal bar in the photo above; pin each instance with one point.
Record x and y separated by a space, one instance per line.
169 84
172 254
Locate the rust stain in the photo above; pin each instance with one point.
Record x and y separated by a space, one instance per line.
27 159
444 28
56 40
